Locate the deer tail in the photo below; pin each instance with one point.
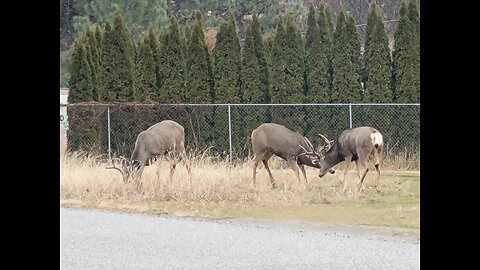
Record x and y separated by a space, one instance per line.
377 139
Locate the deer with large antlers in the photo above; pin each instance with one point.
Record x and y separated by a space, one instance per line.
273 139
354 144
166 137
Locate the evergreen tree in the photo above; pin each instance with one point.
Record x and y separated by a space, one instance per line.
145 71
328 20
317 47
345 63
81 76
325 22
414 16
199 85
261 54
227 60
155 47
378 70
118 77
406 83
287 75
317 50
226 56
93 55
346 87
377 77
405 72
173 65
117 62
99 40
198 66
80 132
254 78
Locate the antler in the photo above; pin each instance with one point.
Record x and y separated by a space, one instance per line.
329 145
309 144
306 152
115 167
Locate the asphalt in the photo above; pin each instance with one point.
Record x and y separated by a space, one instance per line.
99 239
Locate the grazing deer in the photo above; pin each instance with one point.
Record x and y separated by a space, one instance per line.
166 137
354 144
273 139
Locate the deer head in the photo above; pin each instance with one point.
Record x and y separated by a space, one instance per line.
128 170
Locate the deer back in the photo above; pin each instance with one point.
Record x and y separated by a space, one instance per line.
158 140
279 140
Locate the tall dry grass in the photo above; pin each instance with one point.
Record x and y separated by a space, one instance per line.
214 180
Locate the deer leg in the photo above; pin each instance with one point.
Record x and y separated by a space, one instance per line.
362 172
265 163
376 155
255 164
138 177
157 172
377 181
188 165
348 160
293 164
302 168
173 165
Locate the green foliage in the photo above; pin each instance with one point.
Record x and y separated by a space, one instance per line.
172 65
414 16
155 47
317 47
199 68
227 60
146 78
93 55
378 69
117 62
65 63
261 55
345 62
406 59
287 54
287 72
81 76
329 21
199 84
226 56
254 77
83 132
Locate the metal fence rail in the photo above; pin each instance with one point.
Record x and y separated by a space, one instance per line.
225 128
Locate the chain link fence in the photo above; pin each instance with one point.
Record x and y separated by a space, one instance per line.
111 129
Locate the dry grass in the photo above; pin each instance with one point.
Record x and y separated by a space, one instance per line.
220 190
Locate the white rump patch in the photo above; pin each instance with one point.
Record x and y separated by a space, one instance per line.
377 139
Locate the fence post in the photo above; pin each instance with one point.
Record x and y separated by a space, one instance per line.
108 123
230 132
350 113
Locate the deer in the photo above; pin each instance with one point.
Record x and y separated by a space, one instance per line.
274 139
354 144
165 137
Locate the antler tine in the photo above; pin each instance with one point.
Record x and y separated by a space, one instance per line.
326 140
309 144
304 149
114 167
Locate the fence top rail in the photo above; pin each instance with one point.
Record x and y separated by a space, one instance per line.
234 104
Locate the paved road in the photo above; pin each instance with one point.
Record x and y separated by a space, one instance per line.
96 239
